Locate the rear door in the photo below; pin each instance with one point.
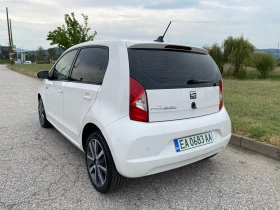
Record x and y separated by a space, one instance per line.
179 83
83 86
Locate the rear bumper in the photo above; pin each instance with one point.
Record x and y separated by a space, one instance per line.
141 149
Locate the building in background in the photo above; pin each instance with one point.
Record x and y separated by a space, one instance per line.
20 57
4 52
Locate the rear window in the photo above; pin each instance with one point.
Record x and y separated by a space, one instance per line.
169 69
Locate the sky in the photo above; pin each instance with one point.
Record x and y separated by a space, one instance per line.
194 22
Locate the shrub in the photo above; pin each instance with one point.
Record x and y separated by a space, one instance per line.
241 74
264 62
215 51
238 51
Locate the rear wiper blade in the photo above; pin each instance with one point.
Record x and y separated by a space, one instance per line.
193 81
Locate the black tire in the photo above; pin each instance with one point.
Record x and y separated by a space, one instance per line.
100 164
42 115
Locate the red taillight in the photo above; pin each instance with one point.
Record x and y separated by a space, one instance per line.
138 105
221 94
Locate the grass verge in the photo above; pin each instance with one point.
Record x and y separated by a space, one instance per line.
30 69
4 61
254 108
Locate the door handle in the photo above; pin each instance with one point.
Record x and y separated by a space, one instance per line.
60 91
87 97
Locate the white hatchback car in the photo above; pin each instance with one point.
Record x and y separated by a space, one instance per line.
135 108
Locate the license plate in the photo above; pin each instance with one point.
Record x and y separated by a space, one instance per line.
190 142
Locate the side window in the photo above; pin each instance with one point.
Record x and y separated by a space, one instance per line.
63 66
91 65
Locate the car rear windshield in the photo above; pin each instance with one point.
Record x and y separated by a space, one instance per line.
169 69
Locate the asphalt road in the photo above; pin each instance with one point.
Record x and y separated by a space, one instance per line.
40 169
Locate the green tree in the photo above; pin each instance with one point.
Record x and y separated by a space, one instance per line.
40 54
41 51
238 51
51 56
215 51
264 62
32 58
71 34
278 61
51 52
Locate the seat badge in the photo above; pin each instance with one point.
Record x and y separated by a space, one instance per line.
192 94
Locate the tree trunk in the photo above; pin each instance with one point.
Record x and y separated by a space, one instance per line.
237 66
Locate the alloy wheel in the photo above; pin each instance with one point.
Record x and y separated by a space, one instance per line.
96 162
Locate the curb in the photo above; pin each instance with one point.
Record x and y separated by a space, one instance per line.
259 147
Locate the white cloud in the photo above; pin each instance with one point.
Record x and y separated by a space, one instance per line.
225 5
194 22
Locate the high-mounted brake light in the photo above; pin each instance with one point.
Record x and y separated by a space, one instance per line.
176 47
138 104
221 94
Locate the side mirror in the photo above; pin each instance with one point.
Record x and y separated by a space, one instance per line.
43 74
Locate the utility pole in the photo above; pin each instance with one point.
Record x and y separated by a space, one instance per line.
21 57
12 42
9 34
8 26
